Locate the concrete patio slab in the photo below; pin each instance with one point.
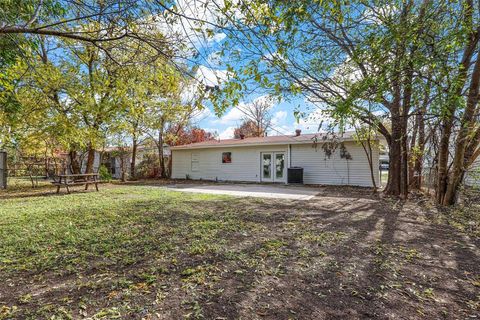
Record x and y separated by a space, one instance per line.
251 190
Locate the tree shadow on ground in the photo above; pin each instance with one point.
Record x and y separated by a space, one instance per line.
345 255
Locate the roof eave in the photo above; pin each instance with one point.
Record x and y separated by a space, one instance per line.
186 147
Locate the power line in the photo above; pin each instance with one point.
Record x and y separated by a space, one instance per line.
281 133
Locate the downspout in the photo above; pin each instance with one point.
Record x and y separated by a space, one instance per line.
289 155
289 160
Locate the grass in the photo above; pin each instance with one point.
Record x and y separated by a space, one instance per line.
67 234
145 252
116 225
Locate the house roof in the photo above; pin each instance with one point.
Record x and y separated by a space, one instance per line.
272 140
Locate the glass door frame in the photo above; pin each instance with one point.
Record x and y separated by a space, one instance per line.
262 173
273 169
283 178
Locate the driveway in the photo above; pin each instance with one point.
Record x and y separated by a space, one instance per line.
251 190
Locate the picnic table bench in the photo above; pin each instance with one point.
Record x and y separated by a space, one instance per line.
68 180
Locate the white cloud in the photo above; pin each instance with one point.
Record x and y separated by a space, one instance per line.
227 133
240 112
281 130
214 59
218 37
318 121
189 93
273 57
193 22
201 115
213 131
192 26
232 116
315 121
264 99
204 76
211 77
279 117
377 15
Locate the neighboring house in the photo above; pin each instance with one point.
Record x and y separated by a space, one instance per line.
384 161
266 159
110 158
472 178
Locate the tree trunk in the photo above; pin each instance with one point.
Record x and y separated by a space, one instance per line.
74 164
416 181
395 151
122 166
455 93
90 159
404 161
134 157
394 184
367 147
160 153
443 153
47 165
406 106
412 151
170 165
162 172
473 149
467 126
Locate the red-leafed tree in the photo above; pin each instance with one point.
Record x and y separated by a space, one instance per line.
249 128
179 135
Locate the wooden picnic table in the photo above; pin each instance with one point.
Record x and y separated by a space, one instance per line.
67 180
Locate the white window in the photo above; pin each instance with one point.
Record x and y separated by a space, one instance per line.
195 162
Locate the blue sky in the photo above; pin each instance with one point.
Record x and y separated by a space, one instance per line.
212 71
214 50
283 120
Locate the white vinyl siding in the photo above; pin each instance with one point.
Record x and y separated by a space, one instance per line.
245 166
320 169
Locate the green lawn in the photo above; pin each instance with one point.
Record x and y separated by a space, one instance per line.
114 226
142 252
67 235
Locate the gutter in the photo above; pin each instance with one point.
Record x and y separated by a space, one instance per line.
186 147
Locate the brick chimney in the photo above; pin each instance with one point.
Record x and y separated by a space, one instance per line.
298 132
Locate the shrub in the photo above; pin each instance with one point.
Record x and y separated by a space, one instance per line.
104 174
148 167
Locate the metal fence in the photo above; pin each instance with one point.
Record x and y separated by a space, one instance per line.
3 170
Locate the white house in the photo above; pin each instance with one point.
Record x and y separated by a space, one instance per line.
266 159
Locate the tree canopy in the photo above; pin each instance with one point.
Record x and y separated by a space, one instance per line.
74 73
405 68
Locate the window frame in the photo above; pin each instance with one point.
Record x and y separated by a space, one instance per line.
230 157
